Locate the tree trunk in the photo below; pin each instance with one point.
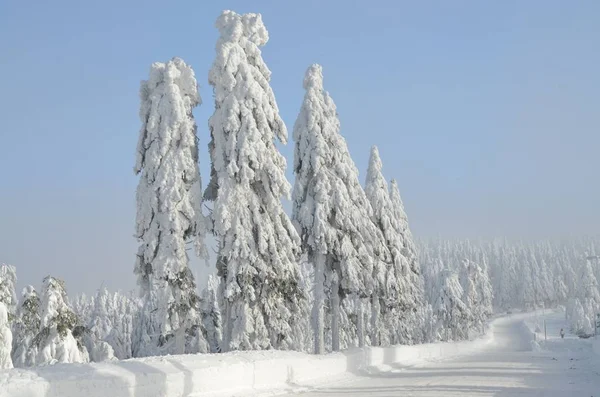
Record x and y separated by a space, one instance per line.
335 312
361 323
317 314
374 320
180 340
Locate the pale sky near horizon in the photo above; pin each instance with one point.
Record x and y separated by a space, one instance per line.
487 113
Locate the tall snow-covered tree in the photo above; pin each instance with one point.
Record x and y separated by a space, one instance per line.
258 245
8 303
27 325
330 208
390 296
8 296
168 212
413 301
6 339
55 341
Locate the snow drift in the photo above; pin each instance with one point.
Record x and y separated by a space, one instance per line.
216 374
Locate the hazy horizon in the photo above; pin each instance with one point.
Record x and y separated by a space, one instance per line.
487 114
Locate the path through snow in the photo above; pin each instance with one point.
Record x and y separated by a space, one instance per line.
508 367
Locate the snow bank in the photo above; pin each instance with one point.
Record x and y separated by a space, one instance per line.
216 374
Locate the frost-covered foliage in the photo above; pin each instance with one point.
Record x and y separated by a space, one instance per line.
211 315
6 338
27 326
579 320
55 341
450 310
126 309
587 299
392 283
414 302
477 297
330 208
83 306
258 245
8 296
8 304
523 275
168 212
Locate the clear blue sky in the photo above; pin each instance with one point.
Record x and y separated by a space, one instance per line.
487 113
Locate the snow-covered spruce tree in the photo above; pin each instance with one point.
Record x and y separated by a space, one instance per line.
449 307
8 296
211 315
168 212
588 296
477 297
83 306
258 245
8 303
126 310
486 295
6 338
390 297
413 302
27 325
101 323
55 341
330 208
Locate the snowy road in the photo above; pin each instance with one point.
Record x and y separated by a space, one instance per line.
508 367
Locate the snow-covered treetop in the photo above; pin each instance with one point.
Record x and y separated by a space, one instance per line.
376 189
167 154
171 91
8 280
246 120
313 79
237 28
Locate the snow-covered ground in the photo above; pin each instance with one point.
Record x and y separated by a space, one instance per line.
509 366
504 363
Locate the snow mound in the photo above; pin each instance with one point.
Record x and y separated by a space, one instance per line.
212 375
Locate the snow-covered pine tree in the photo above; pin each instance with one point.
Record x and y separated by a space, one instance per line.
211 315
468 281
330 208
449 307
392 283
83 306
168 212
588 295
8 304
27 325
258 245
55 341
486 295
6 338
414 301
101 322
8 296
123 319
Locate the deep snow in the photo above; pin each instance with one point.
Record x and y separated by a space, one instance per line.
509 366
504 363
